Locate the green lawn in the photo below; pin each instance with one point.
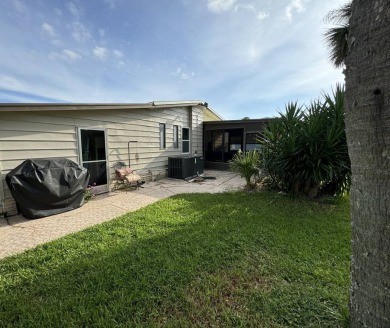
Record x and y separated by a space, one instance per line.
199 260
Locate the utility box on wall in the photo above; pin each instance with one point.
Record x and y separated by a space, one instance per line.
183 167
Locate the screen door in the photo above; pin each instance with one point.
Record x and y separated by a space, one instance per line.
94 156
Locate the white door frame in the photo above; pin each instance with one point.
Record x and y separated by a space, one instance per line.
102 188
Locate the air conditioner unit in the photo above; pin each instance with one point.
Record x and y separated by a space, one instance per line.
183 167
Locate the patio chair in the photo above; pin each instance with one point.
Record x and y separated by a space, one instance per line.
126 177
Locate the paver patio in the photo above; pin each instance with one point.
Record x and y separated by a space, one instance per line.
18 234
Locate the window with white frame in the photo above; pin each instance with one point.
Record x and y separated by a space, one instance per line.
162 136
185 140
175 136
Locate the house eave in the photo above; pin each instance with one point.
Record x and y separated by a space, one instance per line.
31 107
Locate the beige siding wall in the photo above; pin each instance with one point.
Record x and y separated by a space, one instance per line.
197 130
51 134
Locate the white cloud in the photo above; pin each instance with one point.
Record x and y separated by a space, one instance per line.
111 3
254 52
294 6
186 76
67 55
183 74
100 52
118 53
217 6
73 9
71 55
261 15
79 32
246 7
8 82
48 29
19 6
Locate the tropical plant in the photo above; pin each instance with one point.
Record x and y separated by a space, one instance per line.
338 148
305 149
336 37
278 138
246 164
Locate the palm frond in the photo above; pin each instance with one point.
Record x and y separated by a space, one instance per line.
337 40
337 37
339 16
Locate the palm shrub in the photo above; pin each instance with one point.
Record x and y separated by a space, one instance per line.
246 164
279 145
305 149
341 166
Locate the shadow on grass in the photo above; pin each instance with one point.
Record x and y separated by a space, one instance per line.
233 259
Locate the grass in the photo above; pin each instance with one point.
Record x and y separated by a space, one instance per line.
200 260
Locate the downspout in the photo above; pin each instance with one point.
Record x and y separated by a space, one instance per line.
194 130
2 195
197 129
190 112
204 140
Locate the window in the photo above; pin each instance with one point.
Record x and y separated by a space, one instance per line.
235 141
175 136
185 136
214 141
252 142
162 136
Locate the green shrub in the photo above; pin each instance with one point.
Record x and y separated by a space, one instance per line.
305 150
246 164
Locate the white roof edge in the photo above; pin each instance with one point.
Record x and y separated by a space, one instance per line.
188 103
100 106
178 102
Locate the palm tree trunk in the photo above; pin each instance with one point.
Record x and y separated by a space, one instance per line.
368 132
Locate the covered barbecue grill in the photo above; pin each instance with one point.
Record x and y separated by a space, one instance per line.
44 187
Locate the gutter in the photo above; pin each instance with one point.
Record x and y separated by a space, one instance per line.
2 195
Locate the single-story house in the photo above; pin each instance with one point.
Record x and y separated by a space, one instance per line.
98 136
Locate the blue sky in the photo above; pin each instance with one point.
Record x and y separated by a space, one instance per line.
242 57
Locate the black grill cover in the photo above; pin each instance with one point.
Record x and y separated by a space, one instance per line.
44 187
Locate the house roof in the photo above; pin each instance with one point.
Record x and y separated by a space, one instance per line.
32 107
249 125
253 120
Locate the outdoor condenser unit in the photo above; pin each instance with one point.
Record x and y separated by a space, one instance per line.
183 167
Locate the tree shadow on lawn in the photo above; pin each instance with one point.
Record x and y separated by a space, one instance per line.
188 260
